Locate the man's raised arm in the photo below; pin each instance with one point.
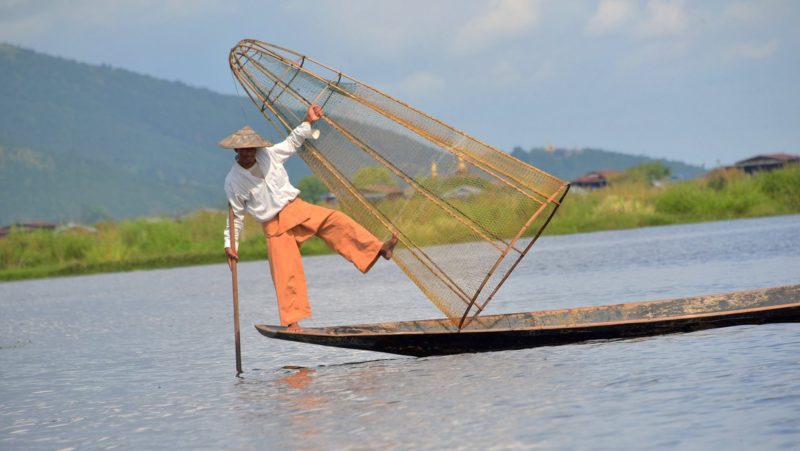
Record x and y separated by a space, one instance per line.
288 147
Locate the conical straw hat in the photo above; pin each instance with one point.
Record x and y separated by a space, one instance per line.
243 138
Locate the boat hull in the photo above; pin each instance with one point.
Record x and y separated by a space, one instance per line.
558 327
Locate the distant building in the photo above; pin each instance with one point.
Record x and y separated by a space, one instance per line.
330 198
462 191
27 227
593 179
73 227
767 162
379 192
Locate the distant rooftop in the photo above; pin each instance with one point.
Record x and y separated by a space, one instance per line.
782 157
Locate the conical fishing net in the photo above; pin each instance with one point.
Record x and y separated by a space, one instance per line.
465 213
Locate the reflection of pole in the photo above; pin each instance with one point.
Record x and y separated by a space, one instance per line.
235 280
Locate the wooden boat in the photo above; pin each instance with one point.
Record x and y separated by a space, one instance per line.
557 327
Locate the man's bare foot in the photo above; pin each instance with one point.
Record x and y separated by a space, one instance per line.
294 327
388 247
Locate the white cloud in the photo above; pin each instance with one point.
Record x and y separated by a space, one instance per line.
415 85
664 19
505 73
13 30
659 19
744 12
611 15
653 53
383 30
504 19
759 12
544 71
27 19
754 51
756 13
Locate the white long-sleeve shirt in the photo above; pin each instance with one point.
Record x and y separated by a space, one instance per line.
264 197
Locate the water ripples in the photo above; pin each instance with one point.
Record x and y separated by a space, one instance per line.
144 360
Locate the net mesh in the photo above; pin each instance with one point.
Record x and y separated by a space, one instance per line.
465 213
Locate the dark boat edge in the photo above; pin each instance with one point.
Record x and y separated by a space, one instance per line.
782 305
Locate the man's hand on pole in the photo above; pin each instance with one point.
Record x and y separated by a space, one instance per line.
232 257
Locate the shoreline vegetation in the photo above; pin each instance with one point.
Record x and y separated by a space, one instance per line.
639 197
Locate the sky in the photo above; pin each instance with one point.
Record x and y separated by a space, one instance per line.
707 83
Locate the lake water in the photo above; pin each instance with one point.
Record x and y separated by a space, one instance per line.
144 360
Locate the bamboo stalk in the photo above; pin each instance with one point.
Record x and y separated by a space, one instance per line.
235 284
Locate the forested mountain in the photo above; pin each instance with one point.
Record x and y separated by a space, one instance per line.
82 142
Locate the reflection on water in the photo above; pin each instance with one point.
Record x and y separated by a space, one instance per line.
300 402
144 360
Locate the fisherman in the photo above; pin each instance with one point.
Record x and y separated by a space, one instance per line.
259 184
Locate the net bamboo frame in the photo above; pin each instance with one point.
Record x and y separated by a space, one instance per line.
465 213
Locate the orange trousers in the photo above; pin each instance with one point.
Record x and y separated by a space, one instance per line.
297 222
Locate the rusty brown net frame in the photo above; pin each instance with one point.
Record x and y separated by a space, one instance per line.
465 213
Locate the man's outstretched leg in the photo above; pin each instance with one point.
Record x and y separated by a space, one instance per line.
347 237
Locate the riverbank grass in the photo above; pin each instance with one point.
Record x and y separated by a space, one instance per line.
197 238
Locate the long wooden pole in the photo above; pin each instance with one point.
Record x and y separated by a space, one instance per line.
235 280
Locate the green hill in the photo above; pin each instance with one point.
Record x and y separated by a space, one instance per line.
570 164
82 142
